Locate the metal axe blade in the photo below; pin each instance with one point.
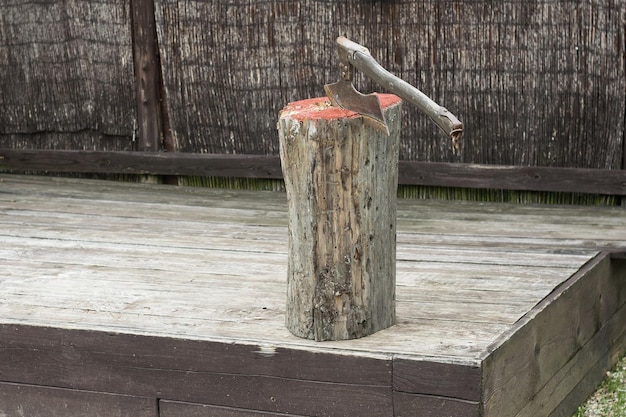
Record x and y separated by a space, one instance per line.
344 95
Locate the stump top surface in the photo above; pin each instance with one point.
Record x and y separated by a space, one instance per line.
321 108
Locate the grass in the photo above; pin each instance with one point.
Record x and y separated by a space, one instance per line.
609 400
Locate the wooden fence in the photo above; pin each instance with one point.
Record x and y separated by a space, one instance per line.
540 85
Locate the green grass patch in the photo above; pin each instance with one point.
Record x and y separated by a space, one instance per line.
609 400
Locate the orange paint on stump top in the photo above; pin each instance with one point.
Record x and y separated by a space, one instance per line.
321 108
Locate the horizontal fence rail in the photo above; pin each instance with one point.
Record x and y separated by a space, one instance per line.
526 178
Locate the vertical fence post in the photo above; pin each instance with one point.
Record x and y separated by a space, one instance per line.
146 75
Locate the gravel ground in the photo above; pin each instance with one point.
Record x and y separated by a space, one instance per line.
609 400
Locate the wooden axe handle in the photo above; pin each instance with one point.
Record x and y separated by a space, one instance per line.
359 57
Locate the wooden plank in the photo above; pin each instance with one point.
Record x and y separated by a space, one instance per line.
91 252
507 177
496 225
458 381
526 357
211 299
147 76
539 235
29 400
250 376
473 222
577 380
216 302
180 409
94 252
206 306
465 224
438 339
153 289
76 286
607 348
232 224
409 405
576 180
167 163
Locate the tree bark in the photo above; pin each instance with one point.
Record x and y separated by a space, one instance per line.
341 178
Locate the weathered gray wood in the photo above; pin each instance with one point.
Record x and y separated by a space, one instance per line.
425 378
252 237
574 180
67 74
242 375
571 180
534 354
17 400
80 255
147 77
409 405
218 257
575 381
82 295
536 83
341 177
180 409
155 163
66 71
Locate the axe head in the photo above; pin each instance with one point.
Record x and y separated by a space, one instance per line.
343 94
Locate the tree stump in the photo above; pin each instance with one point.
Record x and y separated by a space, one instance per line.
341 177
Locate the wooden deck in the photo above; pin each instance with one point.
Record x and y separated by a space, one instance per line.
148 300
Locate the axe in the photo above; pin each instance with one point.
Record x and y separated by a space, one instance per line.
343 94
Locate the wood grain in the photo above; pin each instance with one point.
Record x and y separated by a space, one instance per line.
147 76
553 179
29 400
424 377
67 69
341 178
536 83
534 355
154 163
252 376
218 237
576 380
407 405
536 178
491 299
180 409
